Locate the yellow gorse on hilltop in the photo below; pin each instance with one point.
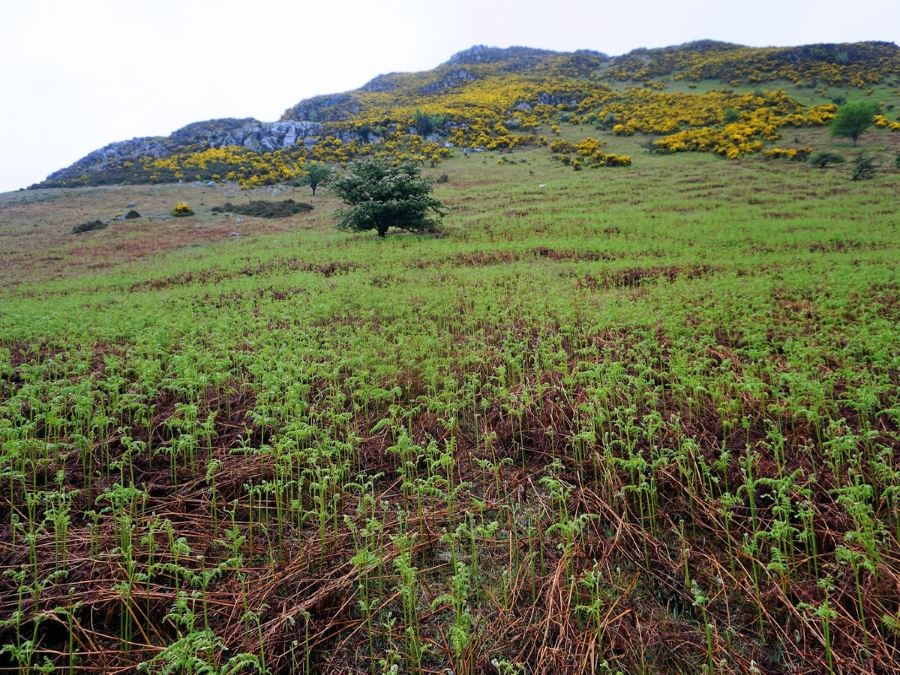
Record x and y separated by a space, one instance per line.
504 113
496 106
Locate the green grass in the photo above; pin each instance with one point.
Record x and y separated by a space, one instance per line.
644 416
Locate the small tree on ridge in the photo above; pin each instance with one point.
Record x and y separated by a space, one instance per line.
853 118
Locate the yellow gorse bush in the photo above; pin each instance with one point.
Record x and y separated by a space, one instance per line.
182 209
794 154
882 122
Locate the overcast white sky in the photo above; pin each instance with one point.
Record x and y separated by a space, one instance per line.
75 75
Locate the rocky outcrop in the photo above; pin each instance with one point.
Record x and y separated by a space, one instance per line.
386 82
267 136
247 133
449 80
112 155
331 108
209 130
514 58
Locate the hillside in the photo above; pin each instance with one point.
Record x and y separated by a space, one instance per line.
498 99
633 409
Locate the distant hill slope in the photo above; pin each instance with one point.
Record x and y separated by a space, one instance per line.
493 98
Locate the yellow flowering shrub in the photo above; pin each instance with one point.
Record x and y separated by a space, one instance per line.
882 122
182 210
586 152
588 147
794 154
562 146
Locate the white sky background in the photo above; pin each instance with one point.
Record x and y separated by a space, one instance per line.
76 75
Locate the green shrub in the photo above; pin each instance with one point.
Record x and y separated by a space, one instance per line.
443 178
89 226
863 168
426 124
383 195
820 160
854 118
132 214
261 209
315 175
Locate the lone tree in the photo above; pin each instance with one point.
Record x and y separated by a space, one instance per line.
853 118
383 195
317 174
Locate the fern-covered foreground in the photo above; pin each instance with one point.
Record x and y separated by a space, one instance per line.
638 420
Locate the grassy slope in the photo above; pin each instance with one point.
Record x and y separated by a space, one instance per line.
563 314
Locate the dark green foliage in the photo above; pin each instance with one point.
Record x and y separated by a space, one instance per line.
423 122
820 160
261 209
443 178
89 226
897 161
383 195
853 118
863 168
132 214
731 115
426 124
650 146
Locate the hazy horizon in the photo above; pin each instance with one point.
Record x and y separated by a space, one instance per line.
85 74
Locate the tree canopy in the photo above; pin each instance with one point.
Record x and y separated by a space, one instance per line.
317 174
853 118
382 195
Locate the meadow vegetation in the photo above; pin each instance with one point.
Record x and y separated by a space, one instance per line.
637 419
642 420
